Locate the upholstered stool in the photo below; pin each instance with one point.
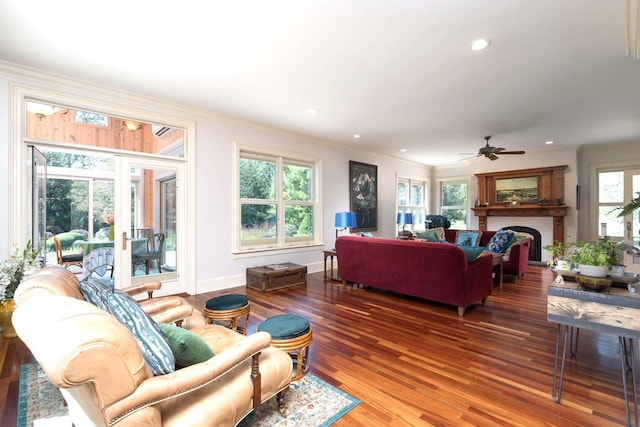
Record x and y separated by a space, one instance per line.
292 334
229 310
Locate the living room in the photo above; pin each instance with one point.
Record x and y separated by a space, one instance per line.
213 261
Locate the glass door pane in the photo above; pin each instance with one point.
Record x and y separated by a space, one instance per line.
153 220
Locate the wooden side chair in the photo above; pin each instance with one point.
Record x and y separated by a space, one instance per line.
154 253
66 260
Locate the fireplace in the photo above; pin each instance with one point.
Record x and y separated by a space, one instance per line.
535 248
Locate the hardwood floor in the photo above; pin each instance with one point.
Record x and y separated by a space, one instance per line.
417 363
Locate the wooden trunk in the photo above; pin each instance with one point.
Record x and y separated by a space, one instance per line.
266 279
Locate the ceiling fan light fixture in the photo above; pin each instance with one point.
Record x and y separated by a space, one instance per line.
479 44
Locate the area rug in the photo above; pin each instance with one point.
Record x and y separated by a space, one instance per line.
310 402
38 398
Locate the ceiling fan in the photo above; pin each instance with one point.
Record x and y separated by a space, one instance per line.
492 152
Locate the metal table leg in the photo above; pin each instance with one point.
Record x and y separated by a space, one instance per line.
628 363
557 383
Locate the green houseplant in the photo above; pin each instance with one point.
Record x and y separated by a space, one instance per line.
560 254
598 255
13 270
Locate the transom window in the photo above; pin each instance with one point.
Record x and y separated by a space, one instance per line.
278 204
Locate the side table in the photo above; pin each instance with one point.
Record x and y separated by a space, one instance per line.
329 274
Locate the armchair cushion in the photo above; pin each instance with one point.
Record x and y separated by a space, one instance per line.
187 347
153 344
500 241
472 252
432 235
468 238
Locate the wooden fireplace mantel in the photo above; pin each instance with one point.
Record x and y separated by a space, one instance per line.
556 212
550 188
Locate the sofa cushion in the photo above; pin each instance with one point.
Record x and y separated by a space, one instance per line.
96 292
152 342
432 235
468 238
187 348
472 252
500 241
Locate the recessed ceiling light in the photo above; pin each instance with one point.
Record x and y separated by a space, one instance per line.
479 44
356 136
549 142
402 150
312 111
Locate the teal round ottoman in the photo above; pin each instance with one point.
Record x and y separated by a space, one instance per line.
229 310
291 333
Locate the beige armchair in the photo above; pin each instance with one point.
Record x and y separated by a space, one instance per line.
98 366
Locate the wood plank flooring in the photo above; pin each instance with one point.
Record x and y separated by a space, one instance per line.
417 363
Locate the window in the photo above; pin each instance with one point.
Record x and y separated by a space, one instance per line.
91 118
615 189
412 199
453 203
278 204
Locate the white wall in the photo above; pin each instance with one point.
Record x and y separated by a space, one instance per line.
216 267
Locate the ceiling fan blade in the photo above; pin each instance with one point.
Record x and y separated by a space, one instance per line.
471 157
511 152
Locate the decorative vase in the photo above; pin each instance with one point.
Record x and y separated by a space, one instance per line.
593 270
111 232
6 313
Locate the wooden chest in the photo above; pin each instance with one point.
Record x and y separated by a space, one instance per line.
276 276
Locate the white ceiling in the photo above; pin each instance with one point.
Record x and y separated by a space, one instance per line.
398 72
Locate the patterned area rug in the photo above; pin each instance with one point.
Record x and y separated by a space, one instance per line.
310 402
38 398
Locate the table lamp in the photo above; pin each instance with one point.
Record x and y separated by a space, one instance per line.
344 220
404 218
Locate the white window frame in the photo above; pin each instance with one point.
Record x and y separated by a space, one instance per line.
454 180
627 187
281 242
410 208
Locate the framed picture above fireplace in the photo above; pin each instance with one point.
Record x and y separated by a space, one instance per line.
524 190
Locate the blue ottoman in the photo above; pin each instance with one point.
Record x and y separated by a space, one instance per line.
229 310
291 333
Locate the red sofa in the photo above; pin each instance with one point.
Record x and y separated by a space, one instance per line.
516 259
434 271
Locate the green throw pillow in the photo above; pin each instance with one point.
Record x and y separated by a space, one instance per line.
472 252
432 235
187 347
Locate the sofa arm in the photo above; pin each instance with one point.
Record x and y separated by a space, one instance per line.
147 287
191 379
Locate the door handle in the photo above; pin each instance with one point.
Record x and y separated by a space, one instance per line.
124 240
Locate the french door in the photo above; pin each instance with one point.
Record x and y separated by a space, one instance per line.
149 221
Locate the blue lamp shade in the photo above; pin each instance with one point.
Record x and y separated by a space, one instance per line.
404 218
345 219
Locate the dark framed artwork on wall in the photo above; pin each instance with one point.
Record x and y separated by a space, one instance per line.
363 184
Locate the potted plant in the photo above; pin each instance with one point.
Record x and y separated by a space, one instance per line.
593 259
13 270
560 254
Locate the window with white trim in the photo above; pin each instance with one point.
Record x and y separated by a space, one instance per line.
412 198
277 201
616 188
454 202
